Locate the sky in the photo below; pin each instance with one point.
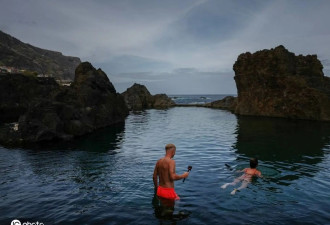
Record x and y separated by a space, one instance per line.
171 46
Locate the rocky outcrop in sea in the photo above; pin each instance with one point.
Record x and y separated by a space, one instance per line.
90 103
227 103
277 83
138 97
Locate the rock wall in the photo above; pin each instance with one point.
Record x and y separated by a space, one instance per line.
277 83
66 112
17 92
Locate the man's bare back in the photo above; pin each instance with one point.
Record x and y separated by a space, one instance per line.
165 169
249 173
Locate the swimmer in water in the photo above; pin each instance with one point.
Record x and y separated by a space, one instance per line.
246 178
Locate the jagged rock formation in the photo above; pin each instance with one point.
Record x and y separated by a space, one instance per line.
17 92
15 53
227 103
277 83
138 97
66 112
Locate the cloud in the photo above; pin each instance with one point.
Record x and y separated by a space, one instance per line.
131 64
169 39
178 81
185 71
116 27
326 62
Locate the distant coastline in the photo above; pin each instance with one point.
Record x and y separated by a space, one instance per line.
197 99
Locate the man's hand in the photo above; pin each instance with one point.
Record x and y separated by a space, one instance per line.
185 175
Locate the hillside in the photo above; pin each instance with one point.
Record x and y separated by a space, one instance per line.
14 53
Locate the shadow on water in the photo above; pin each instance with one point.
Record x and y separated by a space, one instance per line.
295 145
80 171
101 140
164 211
83 160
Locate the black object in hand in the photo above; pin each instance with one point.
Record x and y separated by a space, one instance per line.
189 168
228 166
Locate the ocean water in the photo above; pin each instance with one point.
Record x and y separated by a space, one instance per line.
106 177
196 99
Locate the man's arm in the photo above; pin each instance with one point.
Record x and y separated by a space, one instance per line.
175 176
155 176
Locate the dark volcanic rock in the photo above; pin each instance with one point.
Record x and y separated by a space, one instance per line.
277 83
91 103
161 101
97 94
228 103
19 91
138 97
15 53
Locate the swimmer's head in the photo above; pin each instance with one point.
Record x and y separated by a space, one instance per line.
253 163
170 149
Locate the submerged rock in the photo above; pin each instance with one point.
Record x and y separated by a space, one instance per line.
91 103
277 83
138 97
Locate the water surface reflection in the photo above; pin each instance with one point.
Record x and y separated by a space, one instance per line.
106 177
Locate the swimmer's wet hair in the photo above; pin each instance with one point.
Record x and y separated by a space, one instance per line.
253 163
169 146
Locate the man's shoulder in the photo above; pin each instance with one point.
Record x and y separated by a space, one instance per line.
165 160
159 161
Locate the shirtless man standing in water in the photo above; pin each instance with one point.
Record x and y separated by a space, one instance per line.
165 170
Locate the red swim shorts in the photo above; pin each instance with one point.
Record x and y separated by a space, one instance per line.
168 193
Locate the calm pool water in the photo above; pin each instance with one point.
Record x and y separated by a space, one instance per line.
106 177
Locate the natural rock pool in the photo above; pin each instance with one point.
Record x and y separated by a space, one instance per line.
106 177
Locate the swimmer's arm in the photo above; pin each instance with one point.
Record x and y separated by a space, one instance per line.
259 174
155 176
175 176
